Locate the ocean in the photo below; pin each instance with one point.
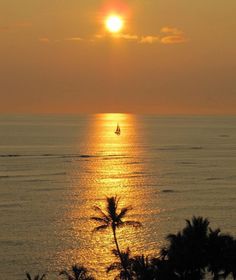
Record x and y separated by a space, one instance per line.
54 169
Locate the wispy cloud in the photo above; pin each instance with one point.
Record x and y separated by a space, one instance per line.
127 37
75 39
171 30
131 37
149 39
173 39
172 35
167 35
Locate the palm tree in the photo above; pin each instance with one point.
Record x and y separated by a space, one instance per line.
187 250
216 245
229 256
78 273
113 218
37 277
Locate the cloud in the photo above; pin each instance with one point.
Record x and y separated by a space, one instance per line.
173 39
167 35
127 36
75 39
121 36
171 30
149 39
172 35
99 36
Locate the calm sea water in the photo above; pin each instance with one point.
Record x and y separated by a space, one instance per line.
53 169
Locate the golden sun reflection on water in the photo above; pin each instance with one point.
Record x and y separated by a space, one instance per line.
111 167
114 172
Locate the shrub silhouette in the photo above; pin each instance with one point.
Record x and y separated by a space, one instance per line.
37 277
78 273
124 268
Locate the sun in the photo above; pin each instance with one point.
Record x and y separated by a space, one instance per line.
114 23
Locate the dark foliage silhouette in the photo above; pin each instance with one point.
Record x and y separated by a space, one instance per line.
163 270
187 250
222 255
37 277
77 273
124 268
191 254
142 268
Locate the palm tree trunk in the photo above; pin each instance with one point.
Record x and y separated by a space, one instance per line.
117 245
118 250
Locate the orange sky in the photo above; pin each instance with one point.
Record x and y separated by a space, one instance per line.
173 57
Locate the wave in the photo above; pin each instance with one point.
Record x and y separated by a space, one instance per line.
196 148
9 205
10 155
187 162
33 175
47 189
37 180
177 148
168 191
214 179
11 243
63 156
220 178
224 135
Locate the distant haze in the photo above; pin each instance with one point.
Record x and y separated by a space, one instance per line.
173 57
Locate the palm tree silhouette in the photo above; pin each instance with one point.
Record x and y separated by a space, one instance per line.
229 256
78 273
37 277
187 250
216 253
113 218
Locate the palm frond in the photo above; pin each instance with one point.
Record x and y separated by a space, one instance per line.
123 212
100 228
79 271
112 203
37 277
115 252
64 272
114 266
130 223
98 219
99 210
28 276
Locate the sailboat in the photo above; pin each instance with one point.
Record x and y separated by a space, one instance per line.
117 132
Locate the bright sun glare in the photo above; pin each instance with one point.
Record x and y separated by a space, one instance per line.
114 23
